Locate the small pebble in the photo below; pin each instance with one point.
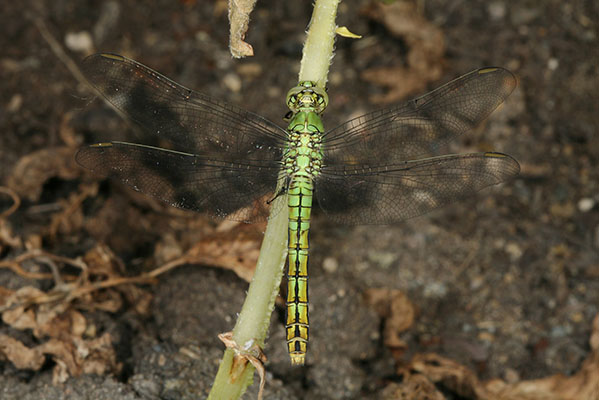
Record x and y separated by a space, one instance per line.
514 251
330 265
435 290
232 82
497 10
79 41
553 63
15 103
586 204
476 283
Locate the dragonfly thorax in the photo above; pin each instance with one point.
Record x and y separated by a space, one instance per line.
304 155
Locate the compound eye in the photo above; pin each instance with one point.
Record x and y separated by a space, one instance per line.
322 99
292 97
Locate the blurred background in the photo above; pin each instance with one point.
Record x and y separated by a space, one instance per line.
505 285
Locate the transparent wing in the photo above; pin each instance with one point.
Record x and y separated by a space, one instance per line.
391 193
188 120
237 191
219 159
420 127
377 168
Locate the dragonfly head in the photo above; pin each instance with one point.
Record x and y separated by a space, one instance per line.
307 96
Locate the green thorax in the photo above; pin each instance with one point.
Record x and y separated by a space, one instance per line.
305 130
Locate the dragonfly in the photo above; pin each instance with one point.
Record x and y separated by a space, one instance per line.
205 155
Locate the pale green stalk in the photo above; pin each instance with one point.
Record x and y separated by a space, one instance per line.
318 49
253 321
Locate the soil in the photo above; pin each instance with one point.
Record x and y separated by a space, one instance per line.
505 283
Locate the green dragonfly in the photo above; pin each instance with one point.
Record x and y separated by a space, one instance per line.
206 155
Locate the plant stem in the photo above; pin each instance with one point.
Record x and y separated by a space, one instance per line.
252 324
318 49
254 318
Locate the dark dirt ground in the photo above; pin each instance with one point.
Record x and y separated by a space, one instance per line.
505 283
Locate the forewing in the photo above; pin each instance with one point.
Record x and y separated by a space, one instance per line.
238 191
421 126
188 120
391 193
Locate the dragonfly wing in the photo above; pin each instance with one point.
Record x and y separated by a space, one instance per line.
189 120
421 126
238 191
391 193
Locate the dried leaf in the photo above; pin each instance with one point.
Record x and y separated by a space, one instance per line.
52 316
33 170
414 387
20 355
7 237
236 249
16 202
426 46
583 385
71 218
398 313
239 17
23 296
19 318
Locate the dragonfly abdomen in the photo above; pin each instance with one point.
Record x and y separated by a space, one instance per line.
299 198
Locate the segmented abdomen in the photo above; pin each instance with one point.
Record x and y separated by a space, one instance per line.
299 197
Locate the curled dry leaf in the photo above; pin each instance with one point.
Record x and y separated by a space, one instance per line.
239 18
79 356
412 388
72 353
33 170
53 318
20 355
7 237
446 373
236 249
398 313
426 46
71 219
16 202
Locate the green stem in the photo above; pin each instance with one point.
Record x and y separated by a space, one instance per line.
252 324
318 49
254 318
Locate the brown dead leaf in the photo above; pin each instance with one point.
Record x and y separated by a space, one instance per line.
7 237
583 385
20 298
19 318
33 170
447 373
16 202
236 249
397 311
239 18
66 130
71 218
53 317
414 387
20 355
426 46
79 356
